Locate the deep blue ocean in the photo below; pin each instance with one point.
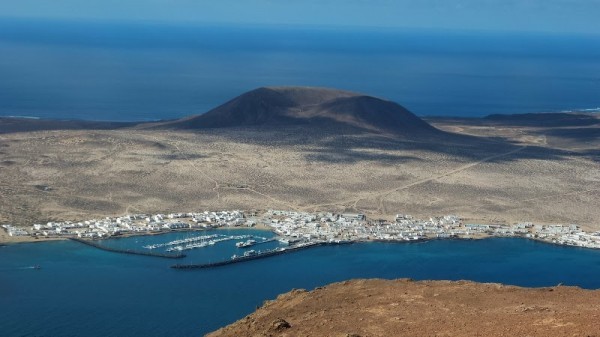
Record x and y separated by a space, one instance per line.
146 71
83 291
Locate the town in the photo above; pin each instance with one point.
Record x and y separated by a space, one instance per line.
301 227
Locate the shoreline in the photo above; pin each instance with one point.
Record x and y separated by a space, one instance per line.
421 240
29 239
303 228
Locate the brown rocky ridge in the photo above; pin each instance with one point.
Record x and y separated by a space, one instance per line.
370 308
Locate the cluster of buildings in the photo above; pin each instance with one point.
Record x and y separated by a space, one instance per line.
355 227
303 227
15 231
299 226
130 224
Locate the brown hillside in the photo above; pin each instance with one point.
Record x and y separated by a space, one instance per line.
426 308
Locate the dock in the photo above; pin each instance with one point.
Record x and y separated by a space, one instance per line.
128 251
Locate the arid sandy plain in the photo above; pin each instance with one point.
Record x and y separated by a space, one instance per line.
510 171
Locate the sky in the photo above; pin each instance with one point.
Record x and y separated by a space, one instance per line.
565 16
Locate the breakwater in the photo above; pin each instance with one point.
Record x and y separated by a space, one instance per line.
260 255
129 251
401 241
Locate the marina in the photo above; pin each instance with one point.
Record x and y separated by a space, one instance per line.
182 241
206 241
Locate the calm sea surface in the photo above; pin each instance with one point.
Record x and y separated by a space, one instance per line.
117 71
83 291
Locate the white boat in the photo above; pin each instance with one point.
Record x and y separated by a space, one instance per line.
251 252
244 244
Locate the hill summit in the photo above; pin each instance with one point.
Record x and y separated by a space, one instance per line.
423 308
307 105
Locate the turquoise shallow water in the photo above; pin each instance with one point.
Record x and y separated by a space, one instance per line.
83 291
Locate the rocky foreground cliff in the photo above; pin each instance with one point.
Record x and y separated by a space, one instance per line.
424 308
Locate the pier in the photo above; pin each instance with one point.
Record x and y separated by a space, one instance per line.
128 251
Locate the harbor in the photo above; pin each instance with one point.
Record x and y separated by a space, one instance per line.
290 231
